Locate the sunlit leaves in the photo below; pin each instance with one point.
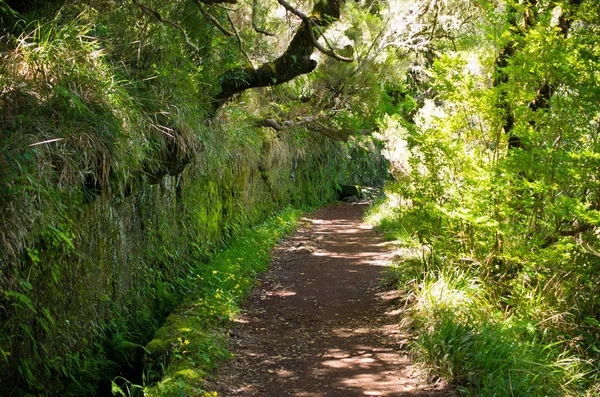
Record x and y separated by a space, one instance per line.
526 218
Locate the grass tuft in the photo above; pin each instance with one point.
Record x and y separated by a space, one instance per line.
464 333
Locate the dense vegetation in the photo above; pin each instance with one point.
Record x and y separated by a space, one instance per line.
120 184
496 200
140 138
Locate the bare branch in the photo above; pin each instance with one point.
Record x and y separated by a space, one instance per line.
270 123
364 59
295 61
414 37
313 124
328 52
254 18
239 40
213 20
435 22
293 10
158 17
226 8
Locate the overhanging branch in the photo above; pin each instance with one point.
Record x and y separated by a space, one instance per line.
313 124
239 39
254 20
156 15
295 61
212 19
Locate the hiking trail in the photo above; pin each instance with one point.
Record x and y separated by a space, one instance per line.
320 324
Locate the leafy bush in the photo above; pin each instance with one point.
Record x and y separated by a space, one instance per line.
495 201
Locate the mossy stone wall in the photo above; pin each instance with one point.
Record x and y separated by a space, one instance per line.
96 281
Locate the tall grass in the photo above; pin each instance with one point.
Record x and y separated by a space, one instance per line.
465 335
463 338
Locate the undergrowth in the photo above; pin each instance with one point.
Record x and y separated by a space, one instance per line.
468 336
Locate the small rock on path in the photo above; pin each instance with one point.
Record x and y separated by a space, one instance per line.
319 324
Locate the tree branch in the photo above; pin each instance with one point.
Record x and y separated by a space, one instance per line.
255 23
314 27
312 124
213 20
239 40
579 228
295 61
153 13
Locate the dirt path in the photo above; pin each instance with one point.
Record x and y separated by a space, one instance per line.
319 324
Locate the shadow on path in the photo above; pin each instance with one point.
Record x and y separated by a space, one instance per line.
319 325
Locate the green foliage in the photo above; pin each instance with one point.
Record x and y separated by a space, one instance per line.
191 342
520 222
365 165
463 337
115 191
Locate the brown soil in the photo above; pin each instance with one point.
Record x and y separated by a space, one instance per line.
320 324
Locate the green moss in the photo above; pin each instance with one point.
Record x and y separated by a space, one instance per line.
192 334
130 262
157 346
